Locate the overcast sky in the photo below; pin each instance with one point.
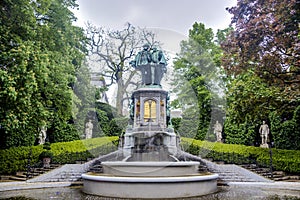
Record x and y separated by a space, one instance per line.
174 15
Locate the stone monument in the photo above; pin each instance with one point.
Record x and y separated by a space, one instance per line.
264 134
42 135
218 131
88 129
149 135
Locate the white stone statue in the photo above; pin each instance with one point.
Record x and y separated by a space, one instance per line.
42 135
218 131
88 129
264 134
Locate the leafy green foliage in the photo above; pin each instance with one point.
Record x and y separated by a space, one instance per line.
69 152
285 160
286 134
266 41
249 102
47 146
103 124
16 158
40 53
84 99
18 86
176 123
261 59
110 111
110 123
45 154
196 81
117 126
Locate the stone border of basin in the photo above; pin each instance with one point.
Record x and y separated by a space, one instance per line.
149 187
156 169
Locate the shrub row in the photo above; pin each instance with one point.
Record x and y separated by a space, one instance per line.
285 160
18 158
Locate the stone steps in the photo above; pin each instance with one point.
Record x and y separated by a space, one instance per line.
275 175
229 176
235 177
96 168
23 175
65 173
72 172
15 178
227 172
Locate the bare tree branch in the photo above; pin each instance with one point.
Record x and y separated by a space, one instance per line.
113 49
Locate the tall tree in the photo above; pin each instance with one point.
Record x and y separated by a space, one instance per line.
266 40
85 98
40 52
196 84
65 45
112 50
261 59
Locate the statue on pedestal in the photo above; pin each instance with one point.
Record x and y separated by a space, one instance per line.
218 131
264 134
151 63
88 129
42 135
159 64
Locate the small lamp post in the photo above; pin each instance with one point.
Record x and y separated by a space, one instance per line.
29 164
271 159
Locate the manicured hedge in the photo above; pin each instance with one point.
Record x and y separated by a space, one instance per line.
17 158
285 160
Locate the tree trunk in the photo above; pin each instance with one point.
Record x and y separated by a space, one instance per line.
120 95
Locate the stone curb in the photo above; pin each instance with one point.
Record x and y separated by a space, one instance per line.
273 185
8 186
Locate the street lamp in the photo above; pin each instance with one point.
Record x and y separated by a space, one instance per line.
271 158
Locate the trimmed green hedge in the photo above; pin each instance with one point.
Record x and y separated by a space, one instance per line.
16 159
285 160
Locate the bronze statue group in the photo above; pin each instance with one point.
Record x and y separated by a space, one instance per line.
151 63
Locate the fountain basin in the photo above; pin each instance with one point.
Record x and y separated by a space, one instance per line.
137 169
149 187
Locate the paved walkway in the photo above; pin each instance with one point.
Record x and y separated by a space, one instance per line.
21 185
